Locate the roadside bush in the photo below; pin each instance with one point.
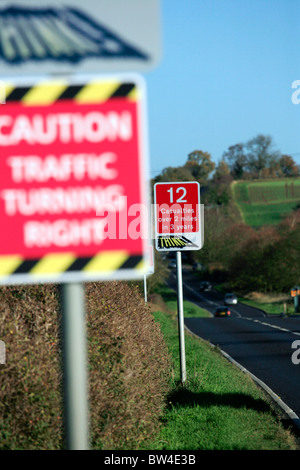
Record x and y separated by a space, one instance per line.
129 364
128 367
30 395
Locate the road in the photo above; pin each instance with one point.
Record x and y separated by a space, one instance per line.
259 342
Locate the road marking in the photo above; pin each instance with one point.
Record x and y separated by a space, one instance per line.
273 326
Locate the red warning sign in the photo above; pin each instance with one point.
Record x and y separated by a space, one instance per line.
71 167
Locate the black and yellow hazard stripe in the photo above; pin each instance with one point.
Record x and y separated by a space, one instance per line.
174 242
57 264
49 92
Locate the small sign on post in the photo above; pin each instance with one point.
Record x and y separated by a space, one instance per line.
178 227
295 292
178 218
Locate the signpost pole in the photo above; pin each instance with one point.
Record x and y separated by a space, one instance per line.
180 317
145 288
74 366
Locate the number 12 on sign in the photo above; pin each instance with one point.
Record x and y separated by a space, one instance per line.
179 199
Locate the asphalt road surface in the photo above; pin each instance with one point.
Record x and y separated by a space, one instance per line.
264 345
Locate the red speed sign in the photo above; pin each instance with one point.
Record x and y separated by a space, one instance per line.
177 216
71 167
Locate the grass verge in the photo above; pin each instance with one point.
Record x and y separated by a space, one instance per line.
271 304
219 407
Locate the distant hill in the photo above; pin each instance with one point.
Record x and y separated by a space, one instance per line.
266 202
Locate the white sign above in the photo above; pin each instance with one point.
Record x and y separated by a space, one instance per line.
94 36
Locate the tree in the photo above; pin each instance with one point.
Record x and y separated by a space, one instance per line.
253 268
215 226
236 159
200 165
222 239
255 158
170 173
268 260
222 171
288 166
260 154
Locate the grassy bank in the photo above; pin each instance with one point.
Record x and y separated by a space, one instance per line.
271 305
219 407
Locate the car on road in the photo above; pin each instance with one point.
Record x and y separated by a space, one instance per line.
222 311
205 286
230 299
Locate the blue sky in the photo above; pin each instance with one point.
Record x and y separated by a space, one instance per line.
225 76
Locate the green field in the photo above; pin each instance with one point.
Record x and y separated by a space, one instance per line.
266 202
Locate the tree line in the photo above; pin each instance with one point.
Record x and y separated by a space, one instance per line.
256 158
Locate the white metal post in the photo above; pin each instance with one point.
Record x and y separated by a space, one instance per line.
74 366
145 288
180 317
